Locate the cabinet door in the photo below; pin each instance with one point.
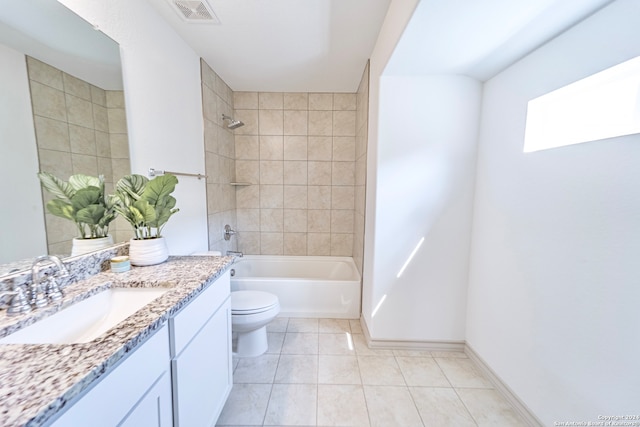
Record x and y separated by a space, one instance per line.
154 409
202 377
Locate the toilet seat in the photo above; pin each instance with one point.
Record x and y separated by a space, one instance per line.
252 302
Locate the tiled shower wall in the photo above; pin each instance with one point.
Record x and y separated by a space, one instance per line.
297 152
362 124
80 128
217 99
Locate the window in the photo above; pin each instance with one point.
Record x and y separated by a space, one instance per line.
603 105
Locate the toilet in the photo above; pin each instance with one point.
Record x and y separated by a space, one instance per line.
251 312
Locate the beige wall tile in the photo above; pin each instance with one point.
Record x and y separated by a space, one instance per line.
248 196
319 244
318 221
48 102
248 171
295 147
271 172
271 243
101 118
319 197
295 244
44 73
321 123
210 136
82 140
344 123
103 144
99 96
115 99
344 101
56 162
249 242
79 111
87 165
344 148
271 122
319 173
117 120
209 104
296 101
320 101
342 197
226 143
295 172
342 221
250 120
270 100
343 173
271 220
248 219
271 196
247 147
341 244
271 147
295 122
320 148
245 100
52 134
105 168
121 167
295 220
295 196
76 87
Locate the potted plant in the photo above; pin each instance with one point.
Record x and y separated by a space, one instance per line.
147 205
82 200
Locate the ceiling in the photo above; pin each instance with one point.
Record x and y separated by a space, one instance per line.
323 45
285 45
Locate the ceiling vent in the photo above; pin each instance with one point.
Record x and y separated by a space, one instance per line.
195 11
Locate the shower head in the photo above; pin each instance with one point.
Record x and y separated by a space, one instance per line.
233 124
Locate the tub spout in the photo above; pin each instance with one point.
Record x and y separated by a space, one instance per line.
235 253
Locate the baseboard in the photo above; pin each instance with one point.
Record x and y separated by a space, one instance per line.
523 410
410 344
525 413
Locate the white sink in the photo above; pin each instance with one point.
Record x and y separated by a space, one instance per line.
86 320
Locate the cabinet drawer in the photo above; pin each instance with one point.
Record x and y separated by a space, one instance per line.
188 322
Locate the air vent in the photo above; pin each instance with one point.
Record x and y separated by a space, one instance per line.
195 11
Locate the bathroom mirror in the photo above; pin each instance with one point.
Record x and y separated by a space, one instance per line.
53 40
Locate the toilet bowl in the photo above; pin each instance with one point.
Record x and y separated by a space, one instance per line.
251 311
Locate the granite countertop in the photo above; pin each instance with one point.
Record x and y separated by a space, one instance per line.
36 381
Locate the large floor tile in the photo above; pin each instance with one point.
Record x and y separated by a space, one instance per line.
292 405
422 371
342 405
463 373
297 369
391 406
380 370
356 327
334 326
338 370
441 407
246 405
489 408
279 324
300 343
256 370
302 325
412 353
274 341
362 349
336 343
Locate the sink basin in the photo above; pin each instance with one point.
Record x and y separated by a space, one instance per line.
86 320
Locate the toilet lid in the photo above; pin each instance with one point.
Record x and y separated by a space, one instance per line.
246 302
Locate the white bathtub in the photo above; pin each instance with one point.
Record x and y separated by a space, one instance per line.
307 286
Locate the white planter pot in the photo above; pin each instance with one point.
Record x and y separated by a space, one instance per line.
148 252
83 246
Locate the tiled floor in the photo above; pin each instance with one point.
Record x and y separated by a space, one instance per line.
320 372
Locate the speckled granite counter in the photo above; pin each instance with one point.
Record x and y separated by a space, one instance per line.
36 381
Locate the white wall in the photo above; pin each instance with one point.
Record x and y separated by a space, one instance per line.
21 212
425 173
421 164
161 75
554 280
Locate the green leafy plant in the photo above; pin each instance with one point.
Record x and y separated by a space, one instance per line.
82 200
146 204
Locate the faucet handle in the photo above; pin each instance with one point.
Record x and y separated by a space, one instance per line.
52 290
19 303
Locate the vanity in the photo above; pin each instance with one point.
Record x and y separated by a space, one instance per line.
167 364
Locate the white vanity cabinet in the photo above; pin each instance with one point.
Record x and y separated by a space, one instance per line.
201 356
136 393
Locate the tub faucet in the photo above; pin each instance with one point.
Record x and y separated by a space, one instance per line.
235 253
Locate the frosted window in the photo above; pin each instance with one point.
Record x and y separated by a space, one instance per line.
604 105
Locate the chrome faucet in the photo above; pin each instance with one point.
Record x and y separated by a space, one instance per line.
18 303
37 296
235 253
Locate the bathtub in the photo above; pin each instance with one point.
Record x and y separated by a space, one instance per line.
307 286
